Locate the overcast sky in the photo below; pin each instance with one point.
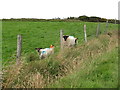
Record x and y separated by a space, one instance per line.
58 8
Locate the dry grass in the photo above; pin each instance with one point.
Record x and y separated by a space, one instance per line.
38 74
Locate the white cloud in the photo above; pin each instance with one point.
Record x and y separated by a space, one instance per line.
58 8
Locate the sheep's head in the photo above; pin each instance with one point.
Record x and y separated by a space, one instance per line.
65 37
38 49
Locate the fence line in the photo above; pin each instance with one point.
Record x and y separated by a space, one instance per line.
19 40
19 47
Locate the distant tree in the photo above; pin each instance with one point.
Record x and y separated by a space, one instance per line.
71 18
94 19
83 18
103 20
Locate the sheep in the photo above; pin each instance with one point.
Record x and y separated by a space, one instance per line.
43 53
69 40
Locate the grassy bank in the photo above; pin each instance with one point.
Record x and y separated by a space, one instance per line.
101 72
89 65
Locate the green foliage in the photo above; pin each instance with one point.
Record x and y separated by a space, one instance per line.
83 18
97 73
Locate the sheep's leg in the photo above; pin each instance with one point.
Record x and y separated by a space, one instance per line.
40 56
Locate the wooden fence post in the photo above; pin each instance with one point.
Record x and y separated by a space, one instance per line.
106 26
98 30
115 20
61 39
19 46
85 35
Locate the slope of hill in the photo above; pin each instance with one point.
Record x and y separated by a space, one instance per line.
90 65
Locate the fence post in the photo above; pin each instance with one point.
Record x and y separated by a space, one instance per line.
85 35
19 46
98 30
106 26
115 20
61 39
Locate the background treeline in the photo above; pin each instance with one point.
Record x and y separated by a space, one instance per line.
93 19
80 18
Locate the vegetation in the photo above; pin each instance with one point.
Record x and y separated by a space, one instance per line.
42 35
101 72
87 65
80 18
97 71
89 61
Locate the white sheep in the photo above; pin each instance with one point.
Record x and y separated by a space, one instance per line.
69 40
43 53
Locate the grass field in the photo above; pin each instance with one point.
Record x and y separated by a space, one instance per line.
88 65
42 34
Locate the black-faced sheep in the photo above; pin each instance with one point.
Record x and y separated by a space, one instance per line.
69 40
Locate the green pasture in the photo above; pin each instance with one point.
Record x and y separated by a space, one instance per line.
43 34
